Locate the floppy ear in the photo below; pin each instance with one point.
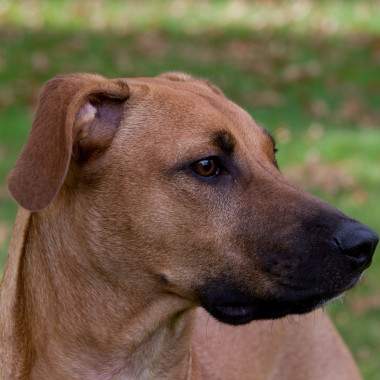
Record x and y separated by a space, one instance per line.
76 109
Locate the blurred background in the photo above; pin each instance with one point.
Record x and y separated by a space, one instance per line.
309 71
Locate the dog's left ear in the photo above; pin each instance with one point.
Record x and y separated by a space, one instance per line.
77 115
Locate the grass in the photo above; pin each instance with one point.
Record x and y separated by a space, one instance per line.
308 71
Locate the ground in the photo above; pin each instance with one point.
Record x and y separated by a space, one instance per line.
308 71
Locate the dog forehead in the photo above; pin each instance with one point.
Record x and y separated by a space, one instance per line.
182 105
179 81
176 95
166 120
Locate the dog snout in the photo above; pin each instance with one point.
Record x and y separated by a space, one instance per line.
357 242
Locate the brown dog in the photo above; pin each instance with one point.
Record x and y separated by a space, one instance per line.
145 198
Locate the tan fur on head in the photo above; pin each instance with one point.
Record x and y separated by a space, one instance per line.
183 77
176 76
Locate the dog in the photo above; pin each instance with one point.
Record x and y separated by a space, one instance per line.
154 226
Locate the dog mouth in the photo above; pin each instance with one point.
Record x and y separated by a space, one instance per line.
259 308
235 307
233 314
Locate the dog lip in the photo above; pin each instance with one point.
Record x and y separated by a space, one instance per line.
299 291
230 305
233 314
235 310
293 302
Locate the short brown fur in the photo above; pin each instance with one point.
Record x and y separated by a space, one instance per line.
113 241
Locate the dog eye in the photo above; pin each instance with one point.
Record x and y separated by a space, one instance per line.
207 167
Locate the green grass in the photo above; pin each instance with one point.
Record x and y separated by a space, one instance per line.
308 71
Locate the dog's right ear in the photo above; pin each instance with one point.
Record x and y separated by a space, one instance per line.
76 115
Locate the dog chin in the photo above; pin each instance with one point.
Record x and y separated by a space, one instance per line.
229 304
242 310
258 309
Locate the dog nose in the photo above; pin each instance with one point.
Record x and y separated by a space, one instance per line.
358 243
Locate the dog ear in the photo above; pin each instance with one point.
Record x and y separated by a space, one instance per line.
77 114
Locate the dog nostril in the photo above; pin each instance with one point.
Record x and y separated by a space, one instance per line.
361 252
357 242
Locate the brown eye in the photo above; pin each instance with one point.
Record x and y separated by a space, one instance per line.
207 167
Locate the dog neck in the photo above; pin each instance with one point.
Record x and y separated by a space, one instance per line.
81 322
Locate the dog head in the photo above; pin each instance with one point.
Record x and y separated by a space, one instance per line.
182 189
